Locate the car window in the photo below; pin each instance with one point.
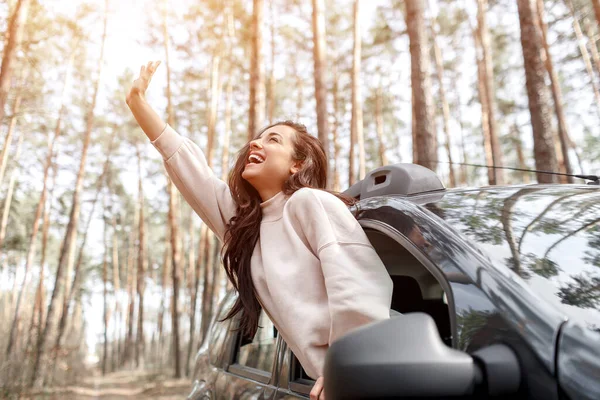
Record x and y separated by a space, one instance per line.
259 353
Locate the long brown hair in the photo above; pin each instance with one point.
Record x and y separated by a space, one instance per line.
243 229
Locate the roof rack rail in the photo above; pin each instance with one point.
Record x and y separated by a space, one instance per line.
402 179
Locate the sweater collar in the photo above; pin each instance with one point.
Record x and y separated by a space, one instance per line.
272 209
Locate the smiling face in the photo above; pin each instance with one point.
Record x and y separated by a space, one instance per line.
270 160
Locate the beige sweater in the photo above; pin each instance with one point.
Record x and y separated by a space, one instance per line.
316 274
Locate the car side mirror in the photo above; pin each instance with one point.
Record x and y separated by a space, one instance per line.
405 357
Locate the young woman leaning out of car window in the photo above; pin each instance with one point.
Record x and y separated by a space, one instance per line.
290 246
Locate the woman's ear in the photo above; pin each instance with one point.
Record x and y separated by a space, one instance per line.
296 167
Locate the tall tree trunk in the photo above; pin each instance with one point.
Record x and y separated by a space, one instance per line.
320 66
71 231
445 107
131 289
336 126
141 269
537 92
215 93
117 289
520 154
173 205
563 131
41 290
163 299
13 35
207 280
105 294
271 86
9 135
256 111
591 38
488 75
356 128
485 126
9 195
584 54
424 150
379 124
299 86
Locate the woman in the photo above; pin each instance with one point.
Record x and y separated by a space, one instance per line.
290 247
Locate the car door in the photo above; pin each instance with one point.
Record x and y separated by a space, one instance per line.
229 366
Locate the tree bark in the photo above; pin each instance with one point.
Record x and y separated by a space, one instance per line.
141 269
488 81
9 195
14 35
173 205
105 293
320 66
257 72
9 136
584 54
357 117
537 92
131 289
271 86
424 150
173 200
520 154
336 126
596 4
71 231
379 124
445 108
485 126
563 131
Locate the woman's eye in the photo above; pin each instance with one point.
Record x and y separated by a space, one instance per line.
274 139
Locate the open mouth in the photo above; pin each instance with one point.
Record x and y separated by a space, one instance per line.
255 159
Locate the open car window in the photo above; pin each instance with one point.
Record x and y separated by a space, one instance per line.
255 357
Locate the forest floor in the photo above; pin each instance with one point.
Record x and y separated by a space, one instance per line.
121 386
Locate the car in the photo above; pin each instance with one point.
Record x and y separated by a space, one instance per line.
497 290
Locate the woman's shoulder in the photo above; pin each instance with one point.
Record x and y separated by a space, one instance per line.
307 199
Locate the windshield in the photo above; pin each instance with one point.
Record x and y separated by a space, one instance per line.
549 236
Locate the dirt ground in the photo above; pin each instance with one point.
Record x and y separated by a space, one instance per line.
121 386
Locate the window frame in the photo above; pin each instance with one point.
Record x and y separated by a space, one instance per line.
438 274
243 371
297 384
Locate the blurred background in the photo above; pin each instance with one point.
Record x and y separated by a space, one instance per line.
105 269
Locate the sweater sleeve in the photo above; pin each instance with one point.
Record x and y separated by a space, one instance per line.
186 164
359 288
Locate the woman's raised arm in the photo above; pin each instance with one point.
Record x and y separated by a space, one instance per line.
185 163
150 122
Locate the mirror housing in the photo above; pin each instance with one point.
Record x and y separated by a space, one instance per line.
399 357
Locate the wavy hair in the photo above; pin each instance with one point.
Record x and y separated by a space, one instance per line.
243 229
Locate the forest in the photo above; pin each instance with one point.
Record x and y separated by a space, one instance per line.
105 268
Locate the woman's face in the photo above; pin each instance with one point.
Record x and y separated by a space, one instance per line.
269 161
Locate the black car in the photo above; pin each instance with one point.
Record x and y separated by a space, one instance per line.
497 291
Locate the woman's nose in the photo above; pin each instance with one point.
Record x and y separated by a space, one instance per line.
255 144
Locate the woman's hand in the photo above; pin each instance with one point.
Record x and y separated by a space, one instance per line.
140 85
318 391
